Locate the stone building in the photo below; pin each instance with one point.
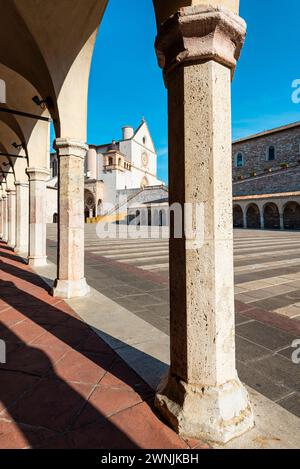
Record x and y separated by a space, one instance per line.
266 179
111 170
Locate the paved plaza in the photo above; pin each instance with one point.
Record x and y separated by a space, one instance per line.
134 274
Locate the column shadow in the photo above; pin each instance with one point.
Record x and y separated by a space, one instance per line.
50 406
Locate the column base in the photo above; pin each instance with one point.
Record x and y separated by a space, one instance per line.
22 250
216 414
37 261
67 289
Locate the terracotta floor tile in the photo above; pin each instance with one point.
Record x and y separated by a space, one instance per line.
25 331
121 376
106 401
51 404
11 316
13 385
18 436
82 368
146 430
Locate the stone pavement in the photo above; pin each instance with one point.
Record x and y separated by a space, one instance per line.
62 386
133 273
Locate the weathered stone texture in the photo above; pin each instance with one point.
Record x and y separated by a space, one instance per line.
255 150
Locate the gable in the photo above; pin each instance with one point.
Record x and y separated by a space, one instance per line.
143 133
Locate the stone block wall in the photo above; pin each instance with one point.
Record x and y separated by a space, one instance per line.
282 181
255 149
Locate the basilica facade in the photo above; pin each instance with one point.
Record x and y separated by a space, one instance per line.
113 171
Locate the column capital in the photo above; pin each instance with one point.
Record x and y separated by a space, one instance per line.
69 147
22 183
200 33
11 191
38 174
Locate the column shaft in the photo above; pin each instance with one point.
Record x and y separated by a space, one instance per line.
1 218
22 217
37 255
11 216
5 221
202 395
70 281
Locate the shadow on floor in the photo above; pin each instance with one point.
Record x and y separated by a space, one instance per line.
62 387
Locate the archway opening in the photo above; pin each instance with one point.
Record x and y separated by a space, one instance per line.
253 217
271 217
291 216
238 220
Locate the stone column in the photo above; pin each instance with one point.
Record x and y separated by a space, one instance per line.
245 218
202 395
4 218
38 178
1 218
71 282
281 221
262 221
22 217
11 217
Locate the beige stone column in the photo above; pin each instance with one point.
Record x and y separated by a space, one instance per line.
202 395
22 217
38 178
1 218
11 217
281 215
245 218
4 219
71 282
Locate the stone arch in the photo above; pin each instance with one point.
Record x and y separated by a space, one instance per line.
89 204
271 217
291 216
238 218
253 217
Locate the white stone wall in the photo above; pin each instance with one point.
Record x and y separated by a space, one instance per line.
52 206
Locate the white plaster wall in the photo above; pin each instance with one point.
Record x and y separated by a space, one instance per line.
51 204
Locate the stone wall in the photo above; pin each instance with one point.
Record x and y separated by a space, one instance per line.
286 180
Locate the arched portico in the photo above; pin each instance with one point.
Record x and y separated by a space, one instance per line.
291 216
198 49
271 217
253 217
238 217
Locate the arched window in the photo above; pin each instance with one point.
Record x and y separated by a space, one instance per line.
271 155
110 161
239 160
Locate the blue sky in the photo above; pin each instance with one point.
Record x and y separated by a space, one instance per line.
127 84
